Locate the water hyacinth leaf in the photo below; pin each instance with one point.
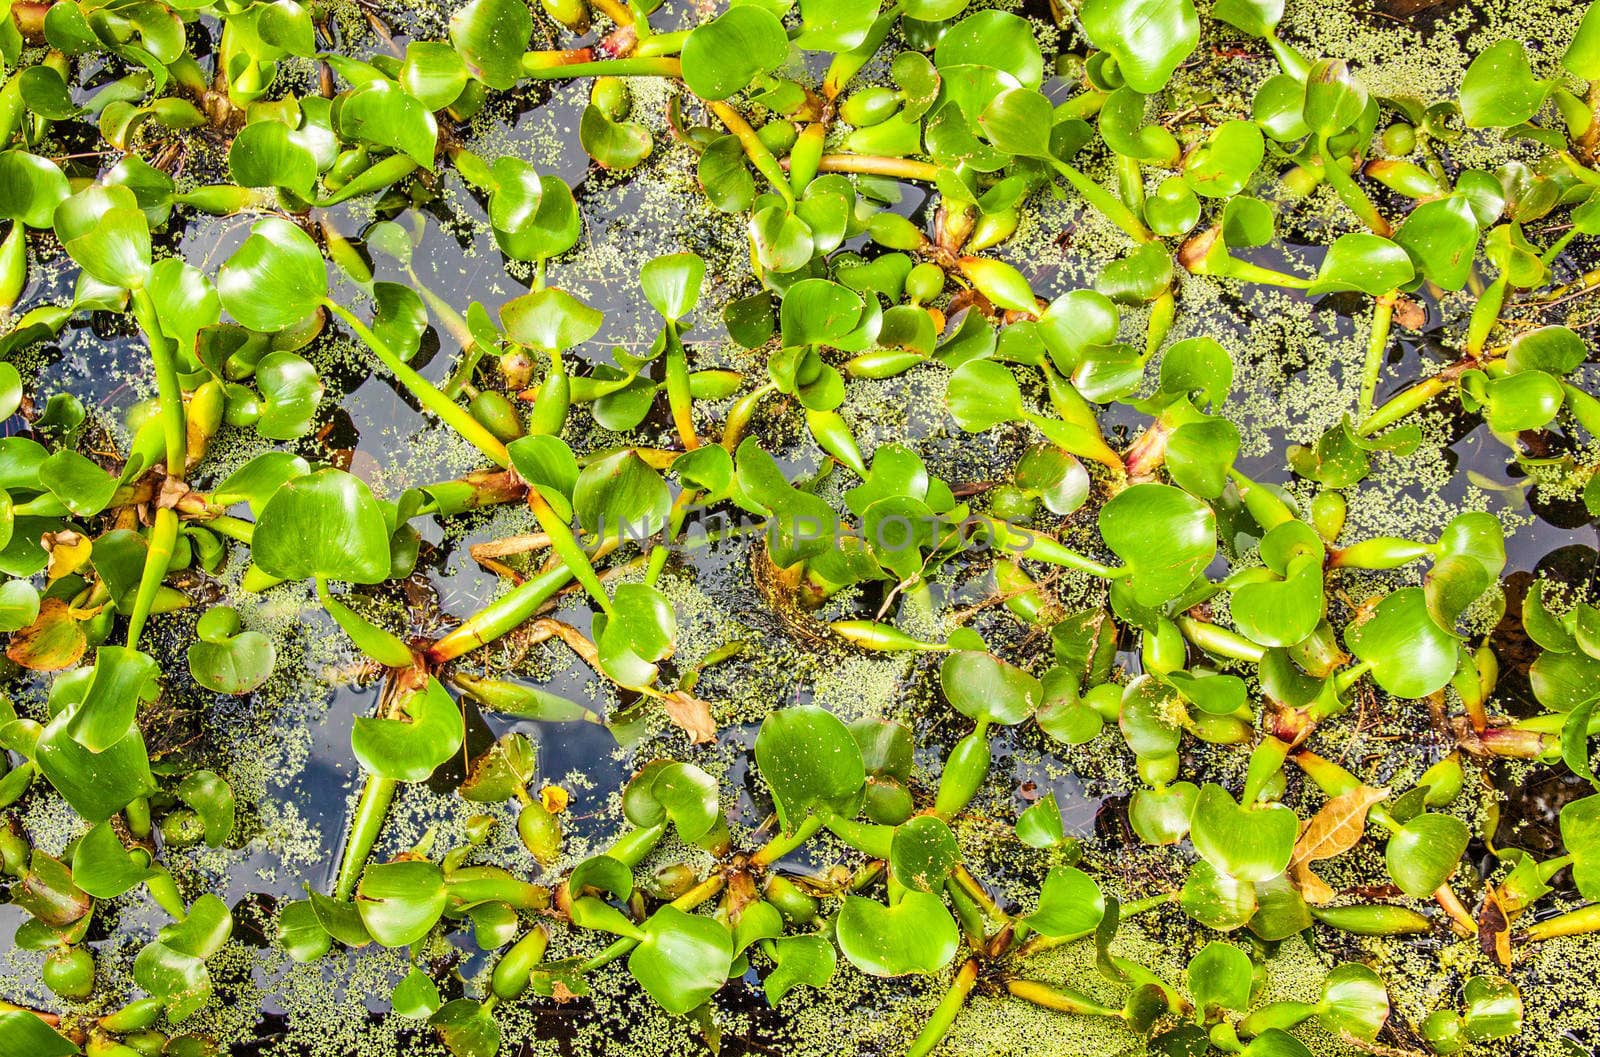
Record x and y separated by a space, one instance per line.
677 791
1354 1002
1075 322
808 960
534 217
380 112
816 311
22 1031
1582 56
82 487
173 966
185 299
1499 89
491 36
725 178
1580 834
916 936
724 55
1220 977
1122 127
1018 122
323 524
621 497
1251 844
1491 1008
1366 263
1424 854
550 319
1070 904
269 154
1411 655
1056 477
1223 165
672 283
986 689
809 759
212 799
1161 816
1217 900
615 145
982 394
1040 825
416 997
923 853
102 867
1164 536
1334 97
275 279
682 960
1258 18
410 749
225 660
399 318
110 244
466 1028
1149 38
1281 612
31 188
400 902
290 392
997 40
19 605
1441 236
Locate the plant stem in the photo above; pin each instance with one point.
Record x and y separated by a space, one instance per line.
376 796
1382 317
556 66
1108 204
754 149
679 400
875 165
784 843
944 1014
700 893
452 413
1573 923
1220 641
567 548
163 538
500 616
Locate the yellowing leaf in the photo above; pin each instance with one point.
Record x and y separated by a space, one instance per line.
692 715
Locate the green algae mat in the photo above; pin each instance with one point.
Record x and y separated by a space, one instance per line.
807 527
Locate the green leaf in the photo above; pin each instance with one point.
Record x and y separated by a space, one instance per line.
1148 38
399 902
1223 165
102 867
1040 825
433 73
491 36
410 749
212 800
683 959
1499 89
621 497
1580 833
1354 1002
1250 844
672 283
104 231
982 394
83 487
998 40
1492 1008
1220 977
915 936
275 279
723 56
290 393
381 113
923 853
809 759
681 792
984 688
21 1032
1070 904
550 319
1367 263
615 145
1424 854
269 154
1441 236
534 218
323 524
1410 654
31 188
1165 536
808 960
466 1028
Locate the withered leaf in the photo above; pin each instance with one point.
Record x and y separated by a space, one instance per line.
1337 826
691 715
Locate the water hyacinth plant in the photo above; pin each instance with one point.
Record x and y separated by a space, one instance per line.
938 527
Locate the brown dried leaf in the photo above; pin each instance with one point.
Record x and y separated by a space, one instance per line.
1337 826
1313 889
692 715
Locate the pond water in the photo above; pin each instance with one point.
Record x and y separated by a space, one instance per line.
286 749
